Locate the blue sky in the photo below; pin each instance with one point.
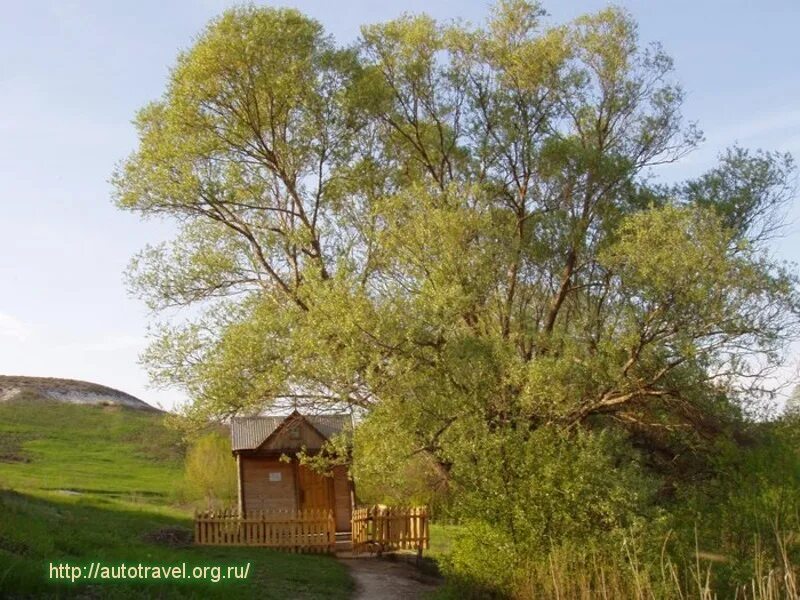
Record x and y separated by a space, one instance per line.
72 74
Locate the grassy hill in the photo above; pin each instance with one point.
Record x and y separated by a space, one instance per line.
90 483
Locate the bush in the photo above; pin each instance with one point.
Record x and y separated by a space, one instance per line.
750 508
210 471
527 493
579 516
484 563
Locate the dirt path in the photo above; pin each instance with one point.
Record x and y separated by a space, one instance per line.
380 579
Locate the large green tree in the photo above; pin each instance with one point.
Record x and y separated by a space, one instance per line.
457 231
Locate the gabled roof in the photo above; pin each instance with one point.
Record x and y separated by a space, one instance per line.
248 433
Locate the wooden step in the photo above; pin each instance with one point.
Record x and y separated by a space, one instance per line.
344 542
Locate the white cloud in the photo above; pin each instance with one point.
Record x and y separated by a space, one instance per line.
12 327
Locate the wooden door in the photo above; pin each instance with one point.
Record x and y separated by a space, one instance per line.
315 490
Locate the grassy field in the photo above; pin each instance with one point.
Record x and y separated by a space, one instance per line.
81 484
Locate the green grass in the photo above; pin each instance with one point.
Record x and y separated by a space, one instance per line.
93 484
443 538
108 451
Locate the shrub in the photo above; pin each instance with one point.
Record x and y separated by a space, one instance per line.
210 471
551 515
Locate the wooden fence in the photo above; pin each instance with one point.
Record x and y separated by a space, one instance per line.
312 530
382 528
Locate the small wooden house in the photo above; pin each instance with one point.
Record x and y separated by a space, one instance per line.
267 481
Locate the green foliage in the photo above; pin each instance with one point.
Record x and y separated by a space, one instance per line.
484 563
745 189
754 495
733 533
210 471
551 486
451 213
387 475
522 495
455 230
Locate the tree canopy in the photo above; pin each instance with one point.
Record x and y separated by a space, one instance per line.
456 230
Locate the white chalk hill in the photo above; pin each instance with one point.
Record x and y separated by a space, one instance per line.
67 390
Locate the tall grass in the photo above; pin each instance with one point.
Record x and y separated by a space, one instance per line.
570 574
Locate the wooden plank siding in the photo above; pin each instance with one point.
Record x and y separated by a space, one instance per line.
299 488
261 489
312 530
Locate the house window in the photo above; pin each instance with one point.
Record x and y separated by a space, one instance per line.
294 432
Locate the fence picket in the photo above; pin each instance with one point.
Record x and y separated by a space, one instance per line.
313 530
383 528
378 528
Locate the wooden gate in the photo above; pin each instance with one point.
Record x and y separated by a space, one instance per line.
382 528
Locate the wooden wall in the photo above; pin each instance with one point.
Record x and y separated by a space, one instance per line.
260 493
